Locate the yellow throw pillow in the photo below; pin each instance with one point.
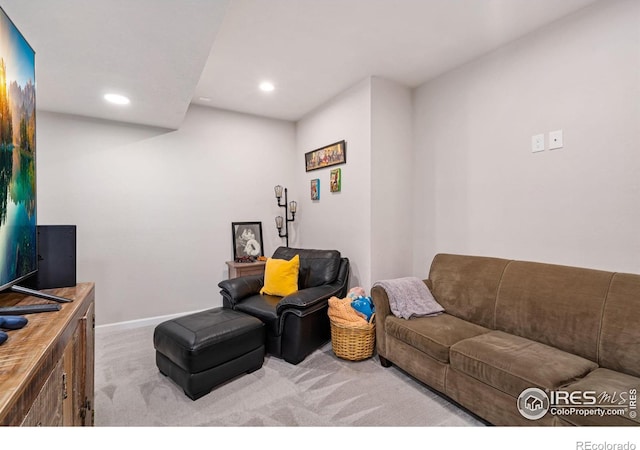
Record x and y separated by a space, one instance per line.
281 276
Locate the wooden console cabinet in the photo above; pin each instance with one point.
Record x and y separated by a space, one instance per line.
243 269
47 367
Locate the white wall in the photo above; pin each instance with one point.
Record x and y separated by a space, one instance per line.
154 207
369 221
391 180
339 220
480 189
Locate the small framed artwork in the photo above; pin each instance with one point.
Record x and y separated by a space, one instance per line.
315 189
329 155
247 240
335 180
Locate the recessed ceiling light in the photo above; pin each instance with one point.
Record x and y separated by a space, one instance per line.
116 99
204 99
266 86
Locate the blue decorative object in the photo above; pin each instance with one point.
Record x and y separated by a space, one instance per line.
364 306
3 336
12 322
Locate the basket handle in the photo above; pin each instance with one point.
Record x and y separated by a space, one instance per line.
373 316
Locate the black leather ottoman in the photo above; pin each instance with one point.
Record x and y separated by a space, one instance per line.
202 350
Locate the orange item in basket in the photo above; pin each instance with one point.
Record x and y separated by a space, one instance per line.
340 311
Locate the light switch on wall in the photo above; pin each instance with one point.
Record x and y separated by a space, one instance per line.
537 143
555 139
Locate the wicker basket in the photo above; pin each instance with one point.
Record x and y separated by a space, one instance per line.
353 342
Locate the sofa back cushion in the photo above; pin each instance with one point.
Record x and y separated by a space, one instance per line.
317 267
557 305
467 286
619 347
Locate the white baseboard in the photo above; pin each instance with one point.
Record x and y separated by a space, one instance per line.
149 321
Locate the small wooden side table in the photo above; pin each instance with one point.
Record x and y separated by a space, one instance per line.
237 269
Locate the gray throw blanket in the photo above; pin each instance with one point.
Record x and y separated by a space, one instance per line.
410 297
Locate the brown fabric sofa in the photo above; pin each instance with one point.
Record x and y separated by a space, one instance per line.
513 325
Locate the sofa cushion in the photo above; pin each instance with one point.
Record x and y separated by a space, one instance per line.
611 389
512 364
466 286
619 347
560 306
432 335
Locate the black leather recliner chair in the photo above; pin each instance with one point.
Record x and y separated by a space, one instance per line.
296 324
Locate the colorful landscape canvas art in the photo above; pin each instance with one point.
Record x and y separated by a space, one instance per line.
17 155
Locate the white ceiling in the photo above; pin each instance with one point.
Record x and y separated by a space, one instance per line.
152 51
165 54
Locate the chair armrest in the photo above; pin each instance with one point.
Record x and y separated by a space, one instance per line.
343 277
237 289
313 298
309 298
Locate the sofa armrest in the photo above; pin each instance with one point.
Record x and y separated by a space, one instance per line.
383 310
237 289
381 303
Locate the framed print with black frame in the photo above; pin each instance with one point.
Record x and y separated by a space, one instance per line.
247 240
329 155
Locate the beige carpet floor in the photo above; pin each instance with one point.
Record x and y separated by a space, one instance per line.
323 390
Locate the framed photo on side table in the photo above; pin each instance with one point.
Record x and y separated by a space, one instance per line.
247 240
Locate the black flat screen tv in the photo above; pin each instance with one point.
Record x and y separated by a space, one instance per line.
18 224
18 229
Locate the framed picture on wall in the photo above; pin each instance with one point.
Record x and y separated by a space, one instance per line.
335 180
247 240
315 189
329 155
